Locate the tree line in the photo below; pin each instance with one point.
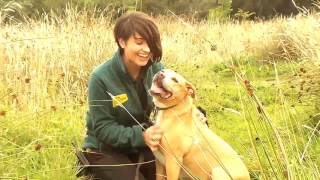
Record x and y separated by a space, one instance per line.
154 6
196 8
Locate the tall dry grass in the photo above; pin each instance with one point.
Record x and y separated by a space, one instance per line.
52 57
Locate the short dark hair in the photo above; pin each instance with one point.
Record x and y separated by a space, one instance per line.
138 22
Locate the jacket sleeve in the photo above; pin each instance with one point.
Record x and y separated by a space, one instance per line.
105 124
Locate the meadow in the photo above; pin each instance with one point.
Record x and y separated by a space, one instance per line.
259 82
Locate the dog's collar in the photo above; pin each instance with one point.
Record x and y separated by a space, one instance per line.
156 110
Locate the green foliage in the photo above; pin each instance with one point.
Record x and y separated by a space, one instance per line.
200 9
194 8
211 9
243 15
220 13
39 144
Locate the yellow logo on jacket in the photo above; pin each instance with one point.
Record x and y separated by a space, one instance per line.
119 99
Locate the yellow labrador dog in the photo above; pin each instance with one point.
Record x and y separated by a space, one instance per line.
189 149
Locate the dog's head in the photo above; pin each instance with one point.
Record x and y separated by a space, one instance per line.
169 88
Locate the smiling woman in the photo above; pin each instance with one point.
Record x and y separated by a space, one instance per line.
137 54
115 141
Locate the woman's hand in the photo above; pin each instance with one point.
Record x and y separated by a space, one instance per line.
152 137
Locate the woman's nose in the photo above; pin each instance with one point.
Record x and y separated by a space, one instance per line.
146 48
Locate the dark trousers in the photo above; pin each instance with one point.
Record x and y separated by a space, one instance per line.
122 172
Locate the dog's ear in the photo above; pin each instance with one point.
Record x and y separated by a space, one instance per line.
191 89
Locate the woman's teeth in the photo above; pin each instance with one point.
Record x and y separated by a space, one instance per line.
143 55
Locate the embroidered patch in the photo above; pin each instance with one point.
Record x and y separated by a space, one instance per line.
119 99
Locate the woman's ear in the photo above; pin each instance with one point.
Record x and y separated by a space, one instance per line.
122 43
191 89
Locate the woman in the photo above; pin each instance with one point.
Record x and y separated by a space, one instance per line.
115 87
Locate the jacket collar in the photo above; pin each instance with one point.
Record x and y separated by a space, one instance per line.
119 66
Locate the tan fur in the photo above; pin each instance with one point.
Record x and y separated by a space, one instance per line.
188 140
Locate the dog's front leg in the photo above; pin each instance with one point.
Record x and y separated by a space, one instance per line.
160 171
173 167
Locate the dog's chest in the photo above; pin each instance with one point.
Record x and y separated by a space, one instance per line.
165 122
161 158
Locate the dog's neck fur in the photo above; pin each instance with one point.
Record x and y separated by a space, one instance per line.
183 107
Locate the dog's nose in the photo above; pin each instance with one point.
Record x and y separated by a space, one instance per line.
160 74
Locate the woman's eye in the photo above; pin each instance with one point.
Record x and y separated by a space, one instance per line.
175 79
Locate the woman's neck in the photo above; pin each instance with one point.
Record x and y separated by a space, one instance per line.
132 69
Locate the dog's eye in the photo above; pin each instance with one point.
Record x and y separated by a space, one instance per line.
175 80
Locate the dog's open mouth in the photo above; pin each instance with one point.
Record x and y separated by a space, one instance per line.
157 89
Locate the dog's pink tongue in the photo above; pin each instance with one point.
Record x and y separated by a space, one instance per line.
166 95
158 90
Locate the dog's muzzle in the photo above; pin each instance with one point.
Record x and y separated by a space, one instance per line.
157 88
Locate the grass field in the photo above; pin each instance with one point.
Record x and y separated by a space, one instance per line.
258 81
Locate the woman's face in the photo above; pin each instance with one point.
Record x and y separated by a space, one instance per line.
136 50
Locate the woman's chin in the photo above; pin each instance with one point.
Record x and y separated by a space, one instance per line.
142 62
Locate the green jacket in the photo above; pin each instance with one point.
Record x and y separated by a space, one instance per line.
109 126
